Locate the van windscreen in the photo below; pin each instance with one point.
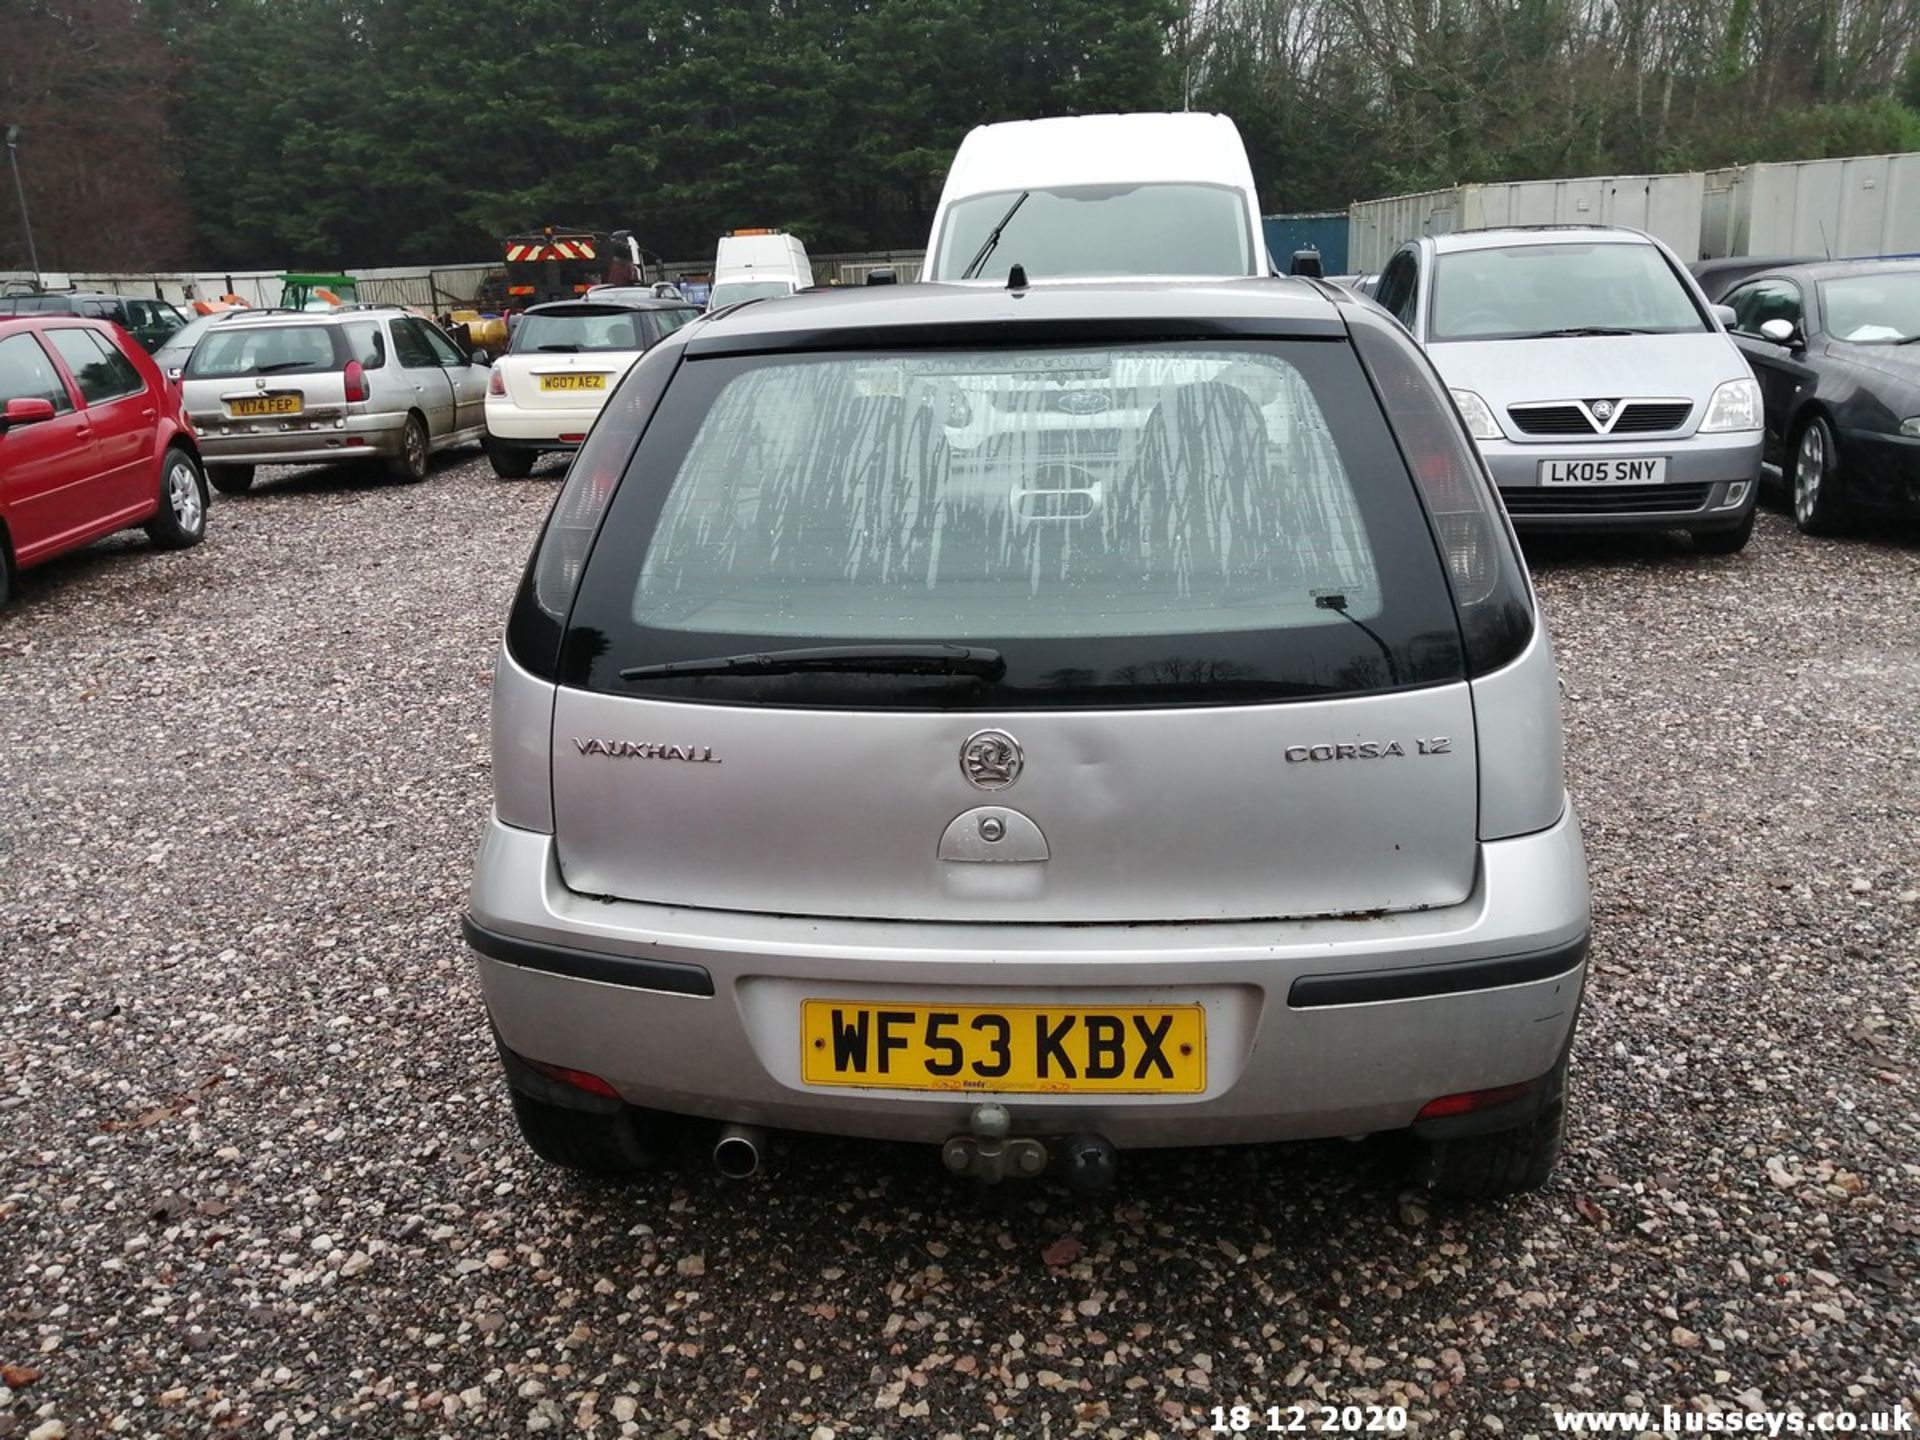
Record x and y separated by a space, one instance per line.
1142 525
1088 230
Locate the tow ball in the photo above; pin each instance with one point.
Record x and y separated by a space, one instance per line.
990 1154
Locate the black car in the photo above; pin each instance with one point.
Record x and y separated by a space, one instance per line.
148 321
1836 348
1717 277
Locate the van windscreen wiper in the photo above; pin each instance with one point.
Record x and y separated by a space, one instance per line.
975 660
993 238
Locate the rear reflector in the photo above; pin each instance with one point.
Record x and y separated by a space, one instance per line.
575 438
520 289
578 1079
356 439
1471 1100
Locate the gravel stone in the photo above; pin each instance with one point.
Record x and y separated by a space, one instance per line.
240 787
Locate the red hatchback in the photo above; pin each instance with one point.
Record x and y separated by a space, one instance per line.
93 439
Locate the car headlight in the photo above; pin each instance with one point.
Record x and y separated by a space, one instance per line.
1734 406
1478 415
1911 426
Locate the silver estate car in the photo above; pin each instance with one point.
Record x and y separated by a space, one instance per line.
279 387
1599 384
1188 774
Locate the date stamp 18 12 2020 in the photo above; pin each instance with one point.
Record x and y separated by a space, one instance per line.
1308 1419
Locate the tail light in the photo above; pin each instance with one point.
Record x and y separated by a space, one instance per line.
496 383
1489 587
356 378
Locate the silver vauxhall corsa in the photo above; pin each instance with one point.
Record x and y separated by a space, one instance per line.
1037 723
1599 384
288 387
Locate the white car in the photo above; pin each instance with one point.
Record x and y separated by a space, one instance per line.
1088 196
563 362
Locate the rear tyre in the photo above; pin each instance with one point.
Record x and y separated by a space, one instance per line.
1817 502
6 572
510 464
1725 542
409 467
231 479
181 520
608 1145
1507 1162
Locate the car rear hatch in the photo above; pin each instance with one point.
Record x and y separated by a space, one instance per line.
266 378
844 647
569 357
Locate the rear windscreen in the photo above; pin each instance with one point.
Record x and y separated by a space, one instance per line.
264 350
1153 524
574 330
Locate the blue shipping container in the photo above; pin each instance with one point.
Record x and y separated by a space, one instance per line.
1325 232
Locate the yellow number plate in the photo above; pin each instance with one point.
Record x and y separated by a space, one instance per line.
266 405
573 382
1026 1049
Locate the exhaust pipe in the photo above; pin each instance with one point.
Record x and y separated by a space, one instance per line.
736 1154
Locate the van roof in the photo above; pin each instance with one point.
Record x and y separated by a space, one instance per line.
1099 149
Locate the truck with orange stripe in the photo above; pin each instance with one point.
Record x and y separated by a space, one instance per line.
560 262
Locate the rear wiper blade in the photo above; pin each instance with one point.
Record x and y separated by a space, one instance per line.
976 660
273 365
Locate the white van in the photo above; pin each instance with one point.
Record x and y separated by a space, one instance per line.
1099 195
753 264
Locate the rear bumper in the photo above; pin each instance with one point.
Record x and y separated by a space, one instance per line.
1314 1028
357 437
1711 484
537 429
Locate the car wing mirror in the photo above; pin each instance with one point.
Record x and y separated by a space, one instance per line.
25 411
1780 332
1724 314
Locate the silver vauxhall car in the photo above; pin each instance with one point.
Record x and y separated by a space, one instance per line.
1032 791
282 387
1599 384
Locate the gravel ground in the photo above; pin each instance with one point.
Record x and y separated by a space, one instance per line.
258 1178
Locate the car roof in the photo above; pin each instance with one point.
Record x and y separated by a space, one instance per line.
617 298
1503 237
853 317
324 317
1839 269
1749 262
1099 150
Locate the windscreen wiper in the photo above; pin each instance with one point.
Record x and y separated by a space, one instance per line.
560 349
993 238
975 660
1579 330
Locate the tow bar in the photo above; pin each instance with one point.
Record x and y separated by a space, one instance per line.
990 1154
